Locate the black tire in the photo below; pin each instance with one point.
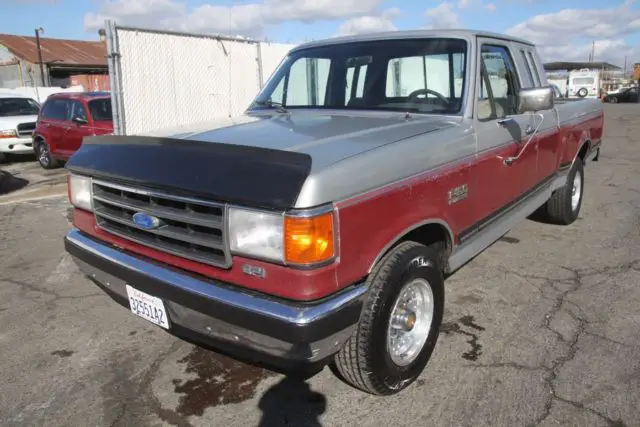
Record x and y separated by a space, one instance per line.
583 92
559 209
613 100
43 153
364 361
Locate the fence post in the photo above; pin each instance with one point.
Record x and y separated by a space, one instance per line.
260 68
115 75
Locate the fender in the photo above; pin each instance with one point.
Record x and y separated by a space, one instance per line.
396 239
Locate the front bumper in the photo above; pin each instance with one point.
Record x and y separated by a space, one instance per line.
222 313
16 145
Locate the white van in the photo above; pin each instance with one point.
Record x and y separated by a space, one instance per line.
18 115
584 84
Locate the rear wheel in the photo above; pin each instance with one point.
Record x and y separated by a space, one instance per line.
44 155
400 321
564 205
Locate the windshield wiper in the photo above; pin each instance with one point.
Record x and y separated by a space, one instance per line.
272 104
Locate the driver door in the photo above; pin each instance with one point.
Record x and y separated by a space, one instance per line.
501 133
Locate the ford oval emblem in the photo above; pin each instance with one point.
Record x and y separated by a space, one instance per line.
146 221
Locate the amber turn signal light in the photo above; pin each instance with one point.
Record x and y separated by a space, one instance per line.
309 240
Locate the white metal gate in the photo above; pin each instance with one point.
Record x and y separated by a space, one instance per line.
162 79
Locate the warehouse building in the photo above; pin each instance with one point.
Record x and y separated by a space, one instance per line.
64 63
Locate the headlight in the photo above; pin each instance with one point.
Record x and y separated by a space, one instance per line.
8 133
256 234
294 240
80 192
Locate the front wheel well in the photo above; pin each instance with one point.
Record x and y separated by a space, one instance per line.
427 234
582 154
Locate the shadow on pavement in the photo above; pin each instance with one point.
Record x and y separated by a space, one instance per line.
9 183
291 402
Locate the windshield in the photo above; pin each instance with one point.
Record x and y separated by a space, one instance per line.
101 110
18 107
414 75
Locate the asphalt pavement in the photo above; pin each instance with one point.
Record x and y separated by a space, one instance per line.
542 329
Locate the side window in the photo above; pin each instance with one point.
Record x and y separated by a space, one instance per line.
535 69
498 95
406 75
355 78
57 109
527 67
307 82
78 110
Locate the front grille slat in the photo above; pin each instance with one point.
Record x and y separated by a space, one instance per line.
190 228
161 212
25 129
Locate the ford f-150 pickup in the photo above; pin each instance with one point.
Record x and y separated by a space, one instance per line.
318 227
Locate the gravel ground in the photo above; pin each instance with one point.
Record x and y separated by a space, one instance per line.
541 329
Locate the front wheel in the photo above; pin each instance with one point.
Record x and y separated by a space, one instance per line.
400 321
44 156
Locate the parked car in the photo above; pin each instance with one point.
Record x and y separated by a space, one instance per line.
318 227
65 120
18 114
631 94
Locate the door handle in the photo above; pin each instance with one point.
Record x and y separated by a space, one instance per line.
529 130
505 121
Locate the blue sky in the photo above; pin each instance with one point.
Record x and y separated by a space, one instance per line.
564 31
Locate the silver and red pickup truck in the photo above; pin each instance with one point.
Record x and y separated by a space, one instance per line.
318 227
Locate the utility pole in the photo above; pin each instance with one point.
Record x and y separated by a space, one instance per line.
38 31
593 51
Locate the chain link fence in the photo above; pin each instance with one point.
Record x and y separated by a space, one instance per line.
162 79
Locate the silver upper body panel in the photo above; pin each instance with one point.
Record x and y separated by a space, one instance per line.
355 151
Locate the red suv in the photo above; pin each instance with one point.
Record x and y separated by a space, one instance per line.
63 122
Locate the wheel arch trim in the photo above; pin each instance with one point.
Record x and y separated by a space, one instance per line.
391 243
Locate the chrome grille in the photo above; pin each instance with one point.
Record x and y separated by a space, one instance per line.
190 228
25 129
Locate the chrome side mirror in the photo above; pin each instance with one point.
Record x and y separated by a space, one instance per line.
535 99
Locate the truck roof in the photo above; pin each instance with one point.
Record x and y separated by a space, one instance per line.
415 34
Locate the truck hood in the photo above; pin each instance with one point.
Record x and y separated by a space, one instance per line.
327 138
260 160
10 122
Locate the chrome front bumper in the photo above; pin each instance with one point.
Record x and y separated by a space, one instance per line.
298 332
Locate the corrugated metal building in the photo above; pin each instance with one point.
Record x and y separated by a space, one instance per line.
62 59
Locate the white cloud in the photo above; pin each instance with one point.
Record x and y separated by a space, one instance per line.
465 4
370 23
442 16
314 10
490 7
567 34
247 18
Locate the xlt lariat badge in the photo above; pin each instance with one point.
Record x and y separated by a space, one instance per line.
458 193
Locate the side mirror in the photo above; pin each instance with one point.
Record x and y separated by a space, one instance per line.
79 121
535 99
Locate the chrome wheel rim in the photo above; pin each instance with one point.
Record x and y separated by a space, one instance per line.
576 191
410 322
44 154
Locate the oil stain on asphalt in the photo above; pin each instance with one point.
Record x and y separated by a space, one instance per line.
457 328
62 353
219 380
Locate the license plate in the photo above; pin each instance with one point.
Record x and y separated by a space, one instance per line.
148 307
